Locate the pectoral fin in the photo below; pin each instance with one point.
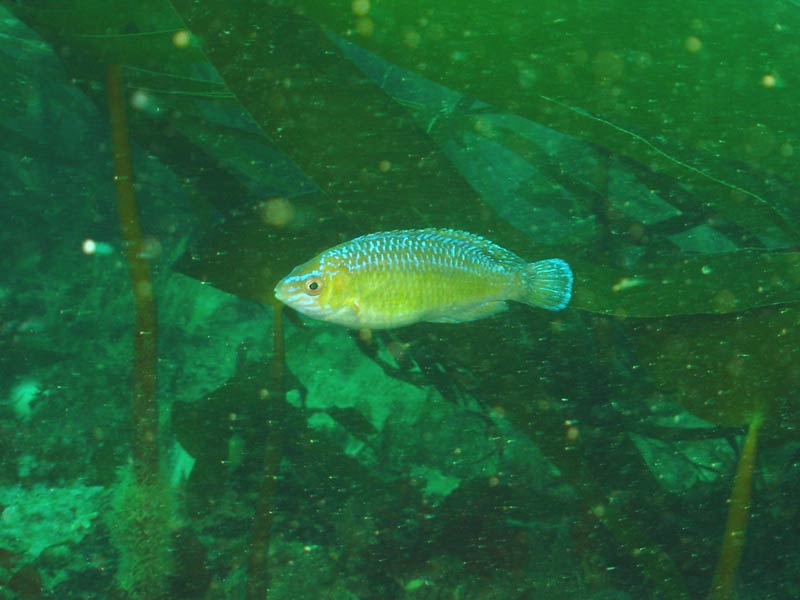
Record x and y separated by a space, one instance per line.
472 313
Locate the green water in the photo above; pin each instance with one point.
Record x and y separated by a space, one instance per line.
584 454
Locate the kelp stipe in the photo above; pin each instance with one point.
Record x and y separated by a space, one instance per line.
143 507
257 563
723 586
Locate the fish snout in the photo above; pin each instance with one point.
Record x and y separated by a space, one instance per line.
293 293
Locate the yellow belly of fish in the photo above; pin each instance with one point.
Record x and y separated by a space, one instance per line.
386 299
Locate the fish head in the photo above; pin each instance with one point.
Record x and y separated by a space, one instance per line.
319 289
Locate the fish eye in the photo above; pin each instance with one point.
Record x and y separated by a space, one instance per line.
313 286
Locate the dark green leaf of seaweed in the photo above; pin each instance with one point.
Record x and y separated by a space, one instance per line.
288 75
566 81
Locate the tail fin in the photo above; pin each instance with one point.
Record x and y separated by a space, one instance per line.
548 284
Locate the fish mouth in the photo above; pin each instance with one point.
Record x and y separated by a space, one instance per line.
280 291
293 296
289 289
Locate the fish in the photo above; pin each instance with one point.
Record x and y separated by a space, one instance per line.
396 278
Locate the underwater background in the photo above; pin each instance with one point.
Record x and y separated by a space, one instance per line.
168 430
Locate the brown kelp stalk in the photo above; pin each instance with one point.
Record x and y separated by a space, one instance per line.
723 587
257 561
143 506
145 408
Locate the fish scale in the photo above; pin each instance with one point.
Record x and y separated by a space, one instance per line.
395 278
413 249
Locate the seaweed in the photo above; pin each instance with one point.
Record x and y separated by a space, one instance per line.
353 194
143 508
590 70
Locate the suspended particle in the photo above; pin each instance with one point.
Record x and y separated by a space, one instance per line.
182 39
572 434
626 283
141 100
93 247
483 127
360 8
416 584
278 212
498 412
693 44
365 26
412 39
769 80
